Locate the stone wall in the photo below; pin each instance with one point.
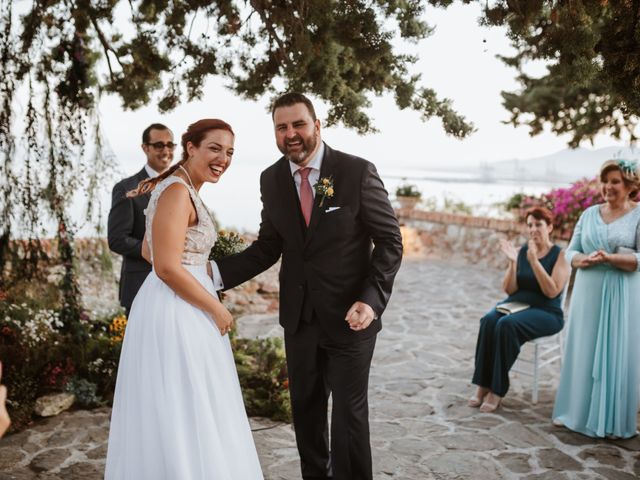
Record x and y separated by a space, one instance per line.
457 237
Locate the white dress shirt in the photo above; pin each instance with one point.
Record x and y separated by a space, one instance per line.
314 176
150 171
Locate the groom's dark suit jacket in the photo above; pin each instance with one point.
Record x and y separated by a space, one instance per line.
125 231
351 250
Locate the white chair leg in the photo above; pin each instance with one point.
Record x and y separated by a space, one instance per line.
534 393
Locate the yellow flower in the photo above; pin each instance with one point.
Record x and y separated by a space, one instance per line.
330 192
117 328
325 181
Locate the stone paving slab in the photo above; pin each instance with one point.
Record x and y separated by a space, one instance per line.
421 427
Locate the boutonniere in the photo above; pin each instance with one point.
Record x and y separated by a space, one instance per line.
324 187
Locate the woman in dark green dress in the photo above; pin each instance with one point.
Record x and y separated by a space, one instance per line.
536 276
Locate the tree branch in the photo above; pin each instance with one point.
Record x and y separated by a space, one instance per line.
105 45
273 35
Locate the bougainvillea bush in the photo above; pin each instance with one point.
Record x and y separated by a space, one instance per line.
566 204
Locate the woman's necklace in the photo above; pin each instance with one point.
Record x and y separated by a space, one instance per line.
197 194
188 177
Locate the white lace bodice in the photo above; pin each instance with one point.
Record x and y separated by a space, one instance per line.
200 238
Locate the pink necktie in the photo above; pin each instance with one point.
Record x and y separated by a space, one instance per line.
306 194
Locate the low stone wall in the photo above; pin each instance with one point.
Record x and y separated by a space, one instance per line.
457 237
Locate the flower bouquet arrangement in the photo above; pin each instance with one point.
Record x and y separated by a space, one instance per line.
227 244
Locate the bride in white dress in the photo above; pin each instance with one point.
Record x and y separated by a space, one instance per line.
178 412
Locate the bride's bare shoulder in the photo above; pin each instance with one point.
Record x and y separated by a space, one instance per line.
175 197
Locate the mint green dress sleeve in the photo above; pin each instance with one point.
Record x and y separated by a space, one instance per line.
575 245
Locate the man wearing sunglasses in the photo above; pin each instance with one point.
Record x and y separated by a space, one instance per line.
126 227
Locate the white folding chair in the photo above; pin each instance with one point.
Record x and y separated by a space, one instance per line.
546 350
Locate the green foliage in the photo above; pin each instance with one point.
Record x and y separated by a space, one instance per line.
262 370
514 202
22 398
408 190
40 356
340 51
592 52
85 392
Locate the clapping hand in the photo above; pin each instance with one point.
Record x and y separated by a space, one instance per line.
509 250
5 421
532 251
360 316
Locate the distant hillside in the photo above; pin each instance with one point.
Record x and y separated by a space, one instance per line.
565 165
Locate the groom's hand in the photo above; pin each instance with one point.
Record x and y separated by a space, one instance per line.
360 316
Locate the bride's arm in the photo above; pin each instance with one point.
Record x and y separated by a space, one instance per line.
146 252
169 229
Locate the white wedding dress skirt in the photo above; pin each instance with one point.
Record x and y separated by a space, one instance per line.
178 412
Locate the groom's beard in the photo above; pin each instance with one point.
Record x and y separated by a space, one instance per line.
308 146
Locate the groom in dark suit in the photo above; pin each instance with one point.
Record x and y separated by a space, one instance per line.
341 248
126 224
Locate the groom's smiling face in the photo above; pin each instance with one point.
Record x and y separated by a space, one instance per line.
297 133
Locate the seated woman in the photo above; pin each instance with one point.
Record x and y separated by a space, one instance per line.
536 277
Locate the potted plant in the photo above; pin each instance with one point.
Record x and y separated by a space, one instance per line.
408 195
514 205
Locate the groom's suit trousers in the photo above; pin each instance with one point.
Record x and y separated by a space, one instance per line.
318 366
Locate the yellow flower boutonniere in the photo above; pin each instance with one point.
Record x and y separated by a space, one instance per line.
324 187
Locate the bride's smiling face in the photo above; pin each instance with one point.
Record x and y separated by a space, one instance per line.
212 157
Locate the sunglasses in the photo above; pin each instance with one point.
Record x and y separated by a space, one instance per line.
159 146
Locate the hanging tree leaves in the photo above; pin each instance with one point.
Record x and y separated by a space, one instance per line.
592 51
61 55
69 51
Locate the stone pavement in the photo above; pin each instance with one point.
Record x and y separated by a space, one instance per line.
421 427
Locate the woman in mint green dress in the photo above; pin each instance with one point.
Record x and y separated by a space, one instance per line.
598 391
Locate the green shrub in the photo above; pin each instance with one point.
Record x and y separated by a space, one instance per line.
85 392
514 202
39 358
262 370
